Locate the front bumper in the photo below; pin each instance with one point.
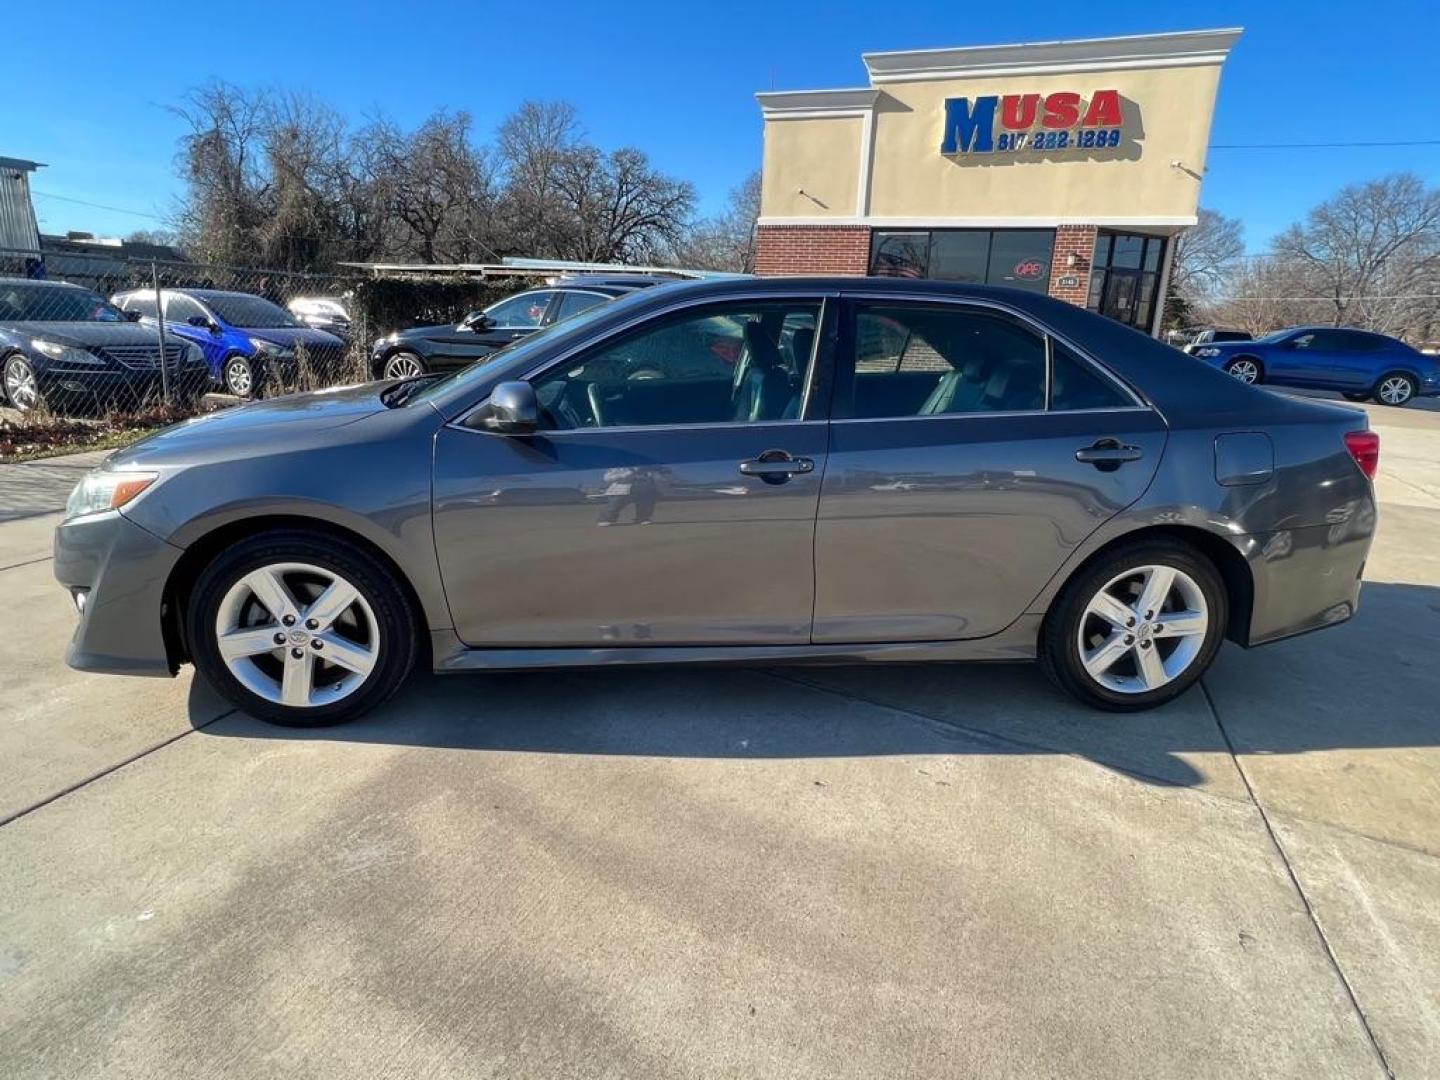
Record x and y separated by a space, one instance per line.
121 571
122 388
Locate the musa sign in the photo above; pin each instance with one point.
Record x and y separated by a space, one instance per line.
1059 121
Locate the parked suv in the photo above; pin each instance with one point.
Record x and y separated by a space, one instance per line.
423 349
246 339
1357 363
65 348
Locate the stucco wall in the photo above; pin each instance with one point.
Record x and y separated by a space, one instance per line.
822 156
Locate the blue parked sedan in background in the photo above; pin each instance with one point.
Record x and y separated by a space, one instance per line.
1357 363
246 339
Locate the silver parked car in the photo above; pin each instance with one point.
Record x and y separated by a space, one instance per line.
741 471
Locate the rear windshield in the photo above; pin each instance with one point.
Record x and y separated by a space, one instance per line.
251 312
48 303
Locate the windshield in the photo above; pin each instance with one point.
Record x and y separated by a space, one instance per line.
51 303
250 312
517 350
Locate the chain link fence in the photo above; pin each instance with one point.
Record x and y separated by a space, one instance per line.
94 345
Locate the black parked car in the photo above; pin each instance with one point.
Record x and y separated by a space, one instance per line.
423 349
69 349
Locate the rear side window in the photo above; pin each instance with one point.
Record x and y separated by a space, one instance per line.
915 360
1074 384
572 303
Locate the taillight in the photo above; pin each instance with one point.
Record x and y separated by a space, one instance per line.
1364 447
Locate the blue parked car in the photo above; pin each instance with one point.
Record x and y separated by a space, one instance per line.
1357 363
247 340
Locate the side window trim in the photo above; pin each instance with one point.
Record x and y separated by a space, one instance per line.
843 359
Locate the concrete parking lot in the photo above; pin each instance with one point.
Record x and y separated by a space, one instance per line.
945 871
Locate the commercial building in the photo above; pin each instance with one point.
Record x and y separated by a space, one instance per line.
1065 167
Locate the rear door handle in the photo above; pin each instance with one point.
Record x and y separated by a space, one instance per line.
776 466
1108 454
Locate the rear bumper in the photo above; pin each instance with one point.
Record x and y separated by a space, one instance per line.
1308 578
121 571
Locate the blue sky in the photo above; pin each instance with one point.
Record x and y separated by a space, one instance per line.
677 80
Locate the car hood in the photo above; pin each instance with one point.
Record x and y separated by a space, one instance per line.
292 335
259 427
87 334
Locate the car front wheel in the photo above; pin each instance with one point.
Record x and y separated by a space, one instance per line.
1245 369
404 365
239 377
301 629
1396 389
22 389
1136 628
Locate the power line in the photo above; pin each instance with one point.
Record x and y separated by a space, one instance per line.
96 206
1321 145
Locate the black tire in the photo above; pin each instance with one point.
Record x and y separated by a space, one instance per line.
1059 646
398 635
238 376
1351 396
1390 378
1231 365
406 359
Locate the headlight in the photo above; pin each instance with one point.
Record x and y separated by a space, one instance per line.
65 354
269 348
106 489
1207 351
194 354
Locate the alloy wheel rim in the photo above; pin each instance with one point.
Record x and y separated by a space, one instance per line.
237 376
297 634
402 366
1395 390
1143 629
1245 370
20 386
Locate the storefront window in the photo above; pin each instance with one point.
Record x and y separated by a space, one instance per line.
1125 277
1019 258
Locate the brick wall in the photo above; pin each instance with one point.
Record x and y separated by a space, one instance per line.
812 249
1077 240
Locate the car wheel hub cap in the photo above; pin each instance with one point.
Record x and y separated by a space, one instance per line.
297 634
239 377
402 367
1143 629
1395 390
1244 371
20 386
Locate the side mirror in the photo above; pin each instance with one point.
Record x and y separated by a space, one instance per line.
477 320
511 410
200 321
132 315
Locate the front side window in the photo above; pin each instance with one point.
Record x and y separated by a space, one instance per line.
915 360
744 361
523 312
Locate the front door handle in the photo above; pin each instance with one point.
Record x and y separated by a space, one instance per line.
1107 455
776 466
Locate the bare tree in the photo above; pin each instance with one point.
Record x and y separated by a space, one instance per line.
532 145
727 240
1205 254
1372 252
222 162
616 207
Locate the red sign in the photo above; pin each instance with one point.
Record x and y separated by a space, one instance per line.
1030 270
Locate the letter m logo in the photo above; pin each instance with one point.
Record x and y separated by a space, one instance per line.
969 129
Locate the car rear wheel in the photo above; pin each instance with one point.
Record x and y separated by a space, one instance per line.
300 629
22 389
404 365
239 377
1136 628
1395 389
1245 368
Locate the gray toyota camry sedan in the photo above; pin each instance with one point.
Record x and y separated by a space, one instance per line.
753 471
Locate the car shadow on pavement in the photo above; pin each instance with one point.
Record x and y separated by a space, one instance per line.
1372 683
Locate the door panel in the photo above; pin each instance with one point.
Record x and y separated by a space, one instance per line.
946 527
627 536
